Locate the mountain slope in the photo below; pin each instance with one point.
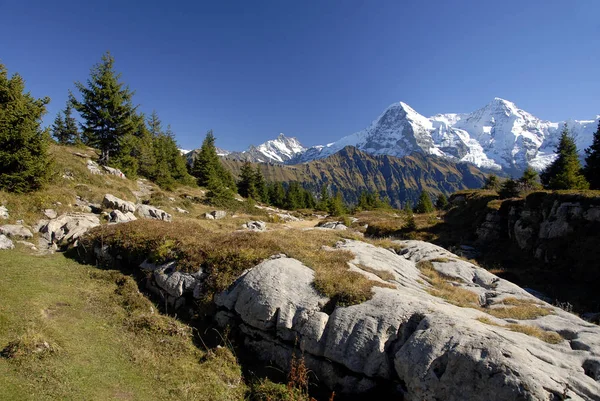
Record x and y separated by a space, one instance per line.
278 150
352 171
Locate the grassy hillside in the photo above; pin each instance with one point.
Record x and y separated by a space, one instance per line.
353 171
74 332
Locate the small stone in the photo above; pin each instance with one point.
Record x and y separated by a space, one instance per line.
50 213
3 213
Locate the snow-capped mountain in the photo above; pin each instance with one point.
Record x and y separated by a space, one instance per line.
278 150
499 136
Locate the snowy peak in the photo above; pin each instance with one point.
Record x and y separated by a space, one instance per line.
280 149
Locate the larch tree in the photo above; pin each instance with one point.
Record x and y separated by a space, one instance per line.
24 160
106 109
592 161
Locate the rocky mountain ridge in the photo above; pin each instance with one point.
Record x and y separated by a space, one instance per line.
498 136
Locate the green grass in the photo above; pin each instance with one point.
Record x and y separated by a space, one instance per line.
72 332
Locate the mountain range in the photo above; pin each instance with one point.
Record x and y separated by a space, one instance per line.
498 136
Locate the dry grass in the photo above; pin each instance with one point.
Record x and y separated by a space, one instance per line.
224 253
509 308
550 337
382 274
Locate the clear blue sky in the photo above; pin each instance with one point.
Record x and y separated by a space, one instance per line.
314 69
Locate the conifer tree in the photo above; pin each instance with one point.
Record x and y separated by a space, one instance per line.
336 205
106 109
509 189
324 198
592 161
246 185
276 194
294 198
410 224
424 205
261 185
565 171
441 203
491 182
529 180
24 161
71 130
58 129
207 165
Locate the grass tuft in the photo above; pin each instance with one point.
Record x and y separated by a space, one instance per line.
550 337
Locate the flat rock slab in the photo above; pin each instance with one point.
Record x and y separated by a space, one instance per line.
16 231
112 202
151 212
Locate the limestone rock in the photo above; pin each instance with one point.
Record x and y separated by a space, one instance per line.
5 242
114 171
67 228
50 213
3 212
112 202
218 214
94 167
422 346
182 211
151 212
117 216
209 216
173 282
16 231
333 225
255 225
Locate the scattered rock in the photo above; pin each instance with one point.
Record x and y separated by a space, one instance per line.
67 228
333 225
117 216
28 245
182 211
37 227
4 213
112 202
50 213
16 231
94 167
215 215
114 171
287 217
151 212
5 242
255 225
83 156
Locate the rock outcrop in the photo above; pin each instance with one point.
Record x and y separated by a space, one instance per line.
117 216
255 225
5 242
215 215
67 228
407 338
151 212
333 225
16 231
112 202
3 213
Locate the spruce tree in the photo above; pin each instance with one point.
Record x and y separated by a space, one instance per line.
324 198
592 161
565 171
336 205
71 130
106 109
207 165
509 189
246 185
424 204
58 129
441 203
491 182
276 194
529 180
261 185
24 160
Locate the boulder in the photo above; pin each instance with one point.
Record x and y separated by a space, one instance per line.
406 339
114 171
16 231
151 212
182 211
209 216
50 213
117 216
5 242
255 225
286 217
218 214
93 167
67 228
3 212
333 225
112 202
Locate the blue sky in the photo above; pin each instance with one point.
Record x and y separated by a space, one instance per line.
314 69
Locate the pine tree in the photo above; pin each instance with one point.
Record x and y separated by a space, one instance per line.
276 194
294 198
565 171
207 165
592 161
24 160
441 203
336 205
58 129
509 189
106 109
324 198
424 204
246 185
410 224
